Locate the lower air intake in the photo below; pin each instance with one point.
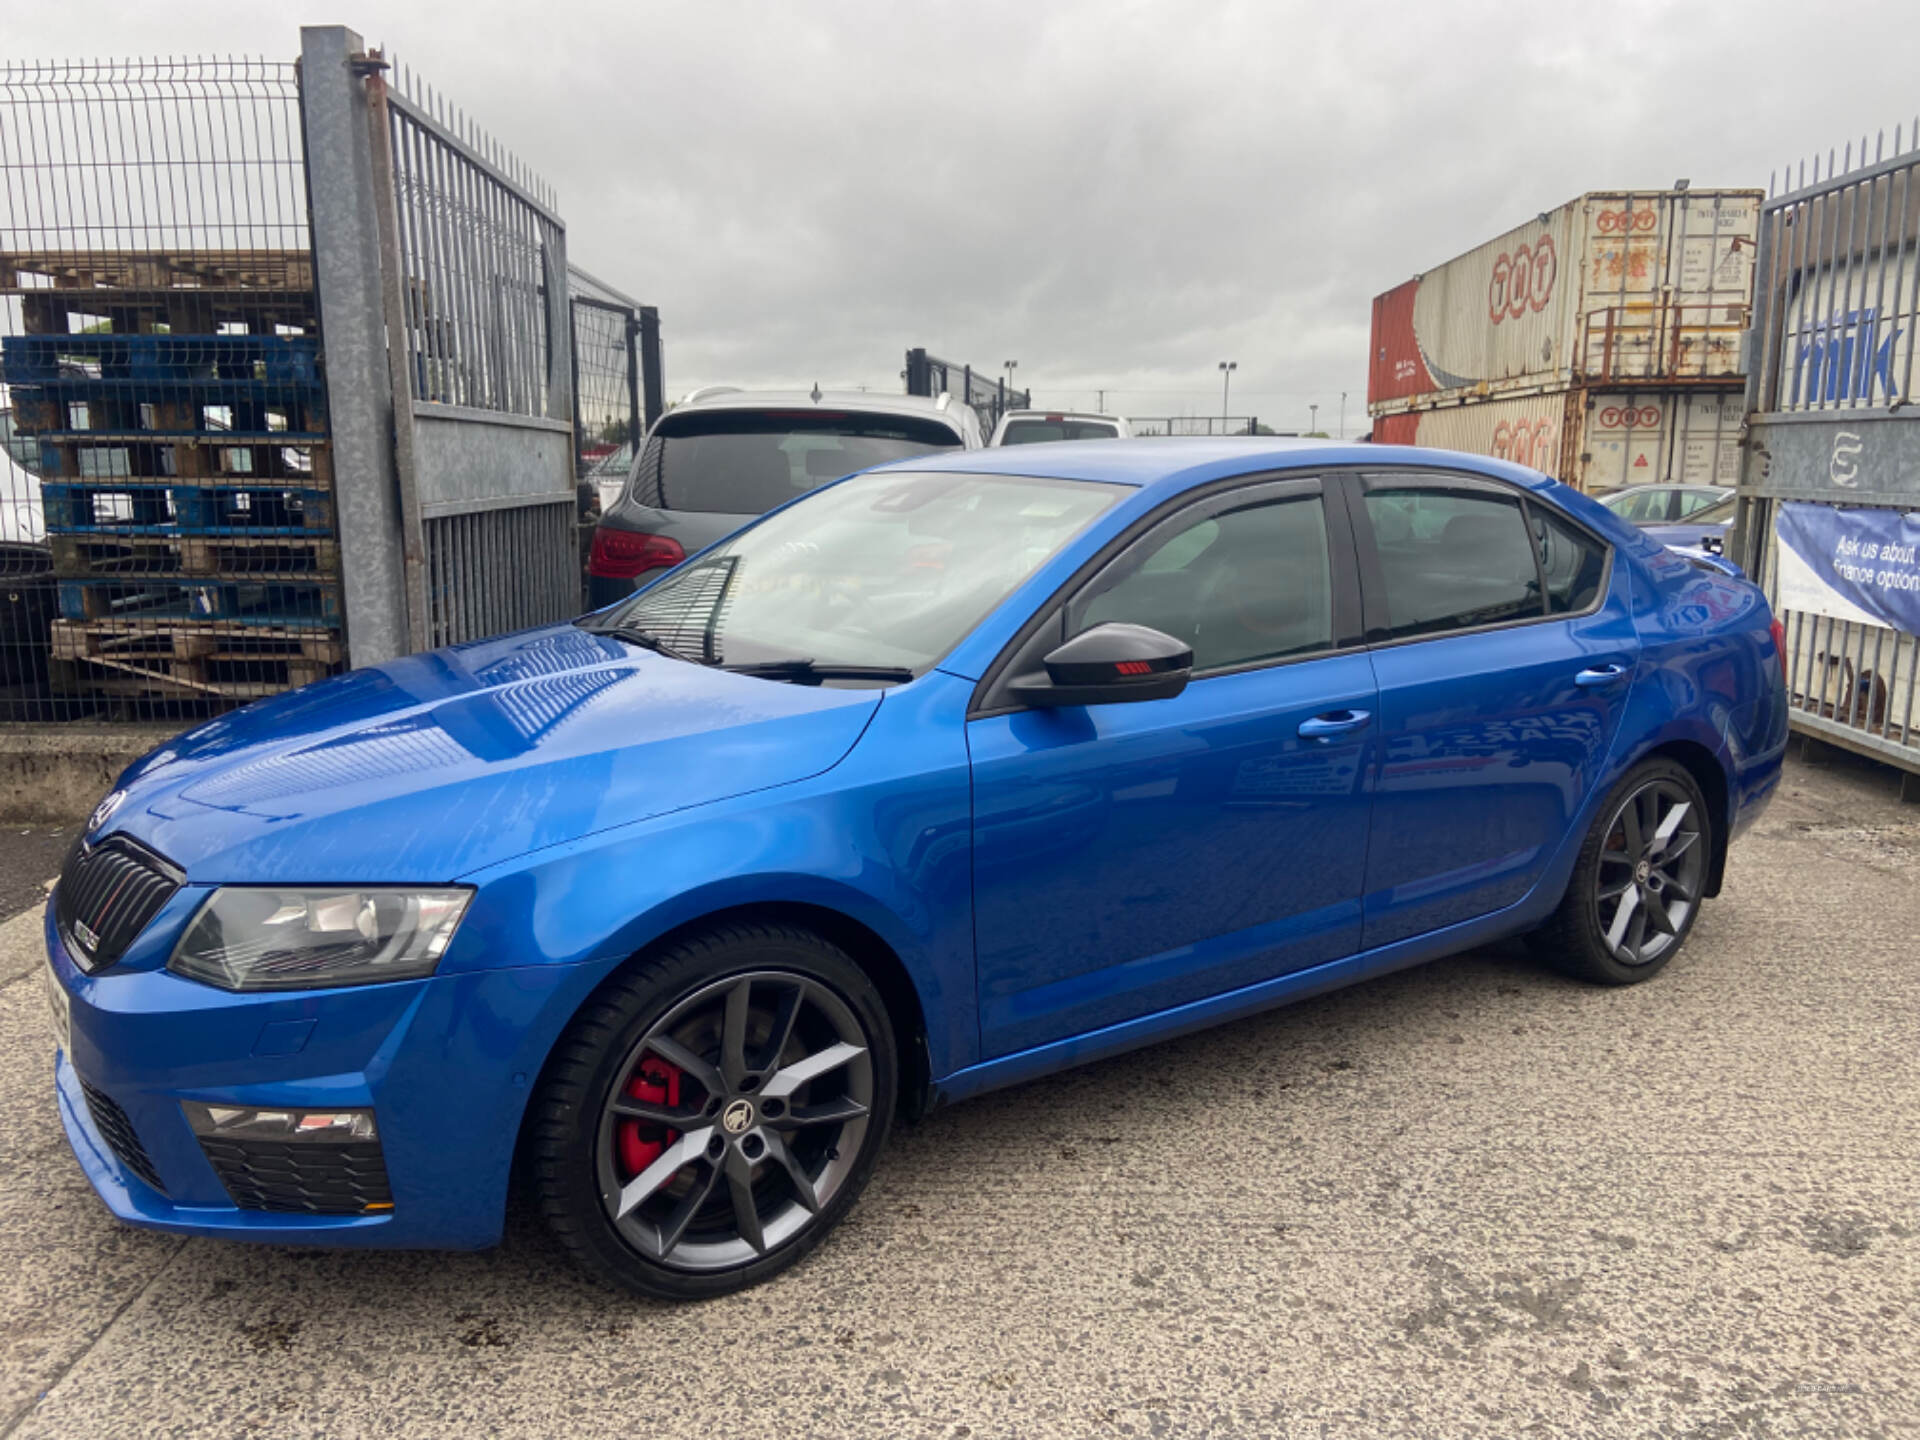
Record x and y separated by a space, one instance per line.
117 1130
301 1178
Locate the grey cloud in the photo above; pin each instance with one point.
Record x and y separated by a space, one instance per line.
1117 194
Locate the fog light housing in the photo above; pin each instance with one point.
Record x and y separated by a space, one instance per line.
314 1162
240 1122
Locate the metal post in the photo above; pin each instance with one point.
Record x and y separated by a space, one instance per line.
346 257
573 350
633 383
413 542
652 376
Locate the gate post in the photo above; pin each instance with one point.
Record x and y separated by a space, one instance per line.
651 374
347 276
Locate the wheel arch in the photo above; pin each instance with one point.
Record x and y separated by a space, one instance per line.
868 949
863 944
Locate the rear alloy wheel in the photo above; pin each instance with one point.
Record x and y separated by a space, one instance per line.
1638 882
712 1116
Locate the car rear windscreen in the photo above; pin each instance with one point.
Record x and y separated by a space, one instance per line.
1039 432
745 462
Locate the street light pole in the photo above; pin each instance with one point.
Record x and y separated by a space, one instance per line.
1227 367
1011 364
1313 419
1343 416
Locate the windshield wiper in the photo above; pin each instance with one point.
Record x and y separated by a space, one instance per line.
803 671
646 640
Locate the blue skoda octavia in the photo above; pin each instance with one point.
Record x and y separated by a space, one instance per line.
942 777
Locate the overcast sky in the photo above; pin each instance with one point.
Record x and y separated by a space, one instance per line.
1115 194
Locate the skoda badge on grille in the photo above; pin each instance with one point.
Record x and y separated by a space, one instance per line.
107 894
103 812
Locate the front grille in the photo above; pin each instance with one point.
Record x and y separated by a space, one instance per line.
117 1130
313 1177
107 894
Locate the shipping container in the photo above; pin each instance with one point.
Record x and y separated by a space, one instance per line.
1595 440
1629 286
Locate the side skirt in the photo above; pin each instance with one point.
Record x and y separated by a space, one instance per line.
1111 1040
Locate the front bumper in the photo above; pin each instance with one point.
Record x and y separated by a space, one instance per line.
445 1064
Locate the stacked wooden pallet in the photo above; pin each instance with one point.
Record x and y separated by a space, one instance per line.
177 404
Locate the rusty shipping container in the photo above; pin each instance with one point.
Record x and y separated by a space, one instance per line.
1596 440
1628 287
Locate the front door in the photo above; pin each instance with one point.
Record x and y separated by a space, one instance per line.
1504 650
1133 857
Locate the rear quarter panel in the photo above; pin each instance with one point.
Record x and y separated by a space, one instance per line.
1709 674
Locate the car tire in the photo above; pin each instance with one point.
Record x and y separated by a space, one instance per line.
655 1070
1625 862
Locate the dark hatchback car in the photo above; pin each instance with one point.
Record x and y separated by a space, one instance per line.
724 456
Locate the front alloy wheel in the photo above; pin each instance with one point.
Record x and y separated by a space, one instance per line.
737 1121
713 1111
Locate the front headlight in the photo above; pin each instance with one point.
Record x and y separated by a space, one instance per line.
265 938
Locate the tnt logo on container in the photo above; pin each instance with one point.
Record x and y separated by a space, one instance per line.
1525 442
1621 222
1628 417
1522 280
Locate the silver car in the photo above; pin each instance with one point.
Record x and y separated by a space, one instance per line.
1039 427
723 456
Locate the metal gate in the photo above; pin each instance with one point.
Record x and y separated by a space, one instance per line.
1836 306
929 375
429 235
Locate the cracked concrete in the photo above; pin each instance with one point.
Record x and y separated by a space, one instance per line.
1469 1200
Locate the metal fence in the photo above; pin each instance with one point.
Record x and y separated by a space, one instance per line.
200 502
167 538
618 392
990 398
1164 425
617 381
1836 307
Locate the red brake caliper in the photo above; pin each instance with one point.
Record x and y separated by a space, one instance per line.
657 1083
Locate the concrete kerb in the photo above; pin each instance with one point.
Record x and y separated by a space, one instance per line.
51 774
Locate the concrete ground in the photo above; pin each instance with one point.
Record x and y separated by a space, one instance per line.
1469 1200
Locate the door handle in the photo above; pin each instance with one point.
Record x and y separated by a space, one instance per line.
1601 675
1334 722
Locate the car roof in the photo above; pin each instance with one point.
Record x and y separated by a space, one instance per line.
1173 465
1059 415
872 401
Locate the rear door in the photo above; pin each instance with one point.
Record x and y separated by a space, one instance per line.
1129 858
1504 648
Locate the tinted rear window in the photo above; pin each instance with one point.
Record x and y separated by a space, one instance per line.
745 462
1039 432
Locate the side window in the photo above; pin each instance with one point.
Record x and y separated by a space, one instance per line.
1240 587
1572 563
1692 502
1451 559
1647 507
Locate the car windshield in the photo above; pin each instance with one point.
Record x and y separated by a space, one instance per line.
1038 432
746 462
891 569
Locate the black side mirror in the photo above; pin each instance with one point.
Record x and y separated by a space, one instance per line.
1108 664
